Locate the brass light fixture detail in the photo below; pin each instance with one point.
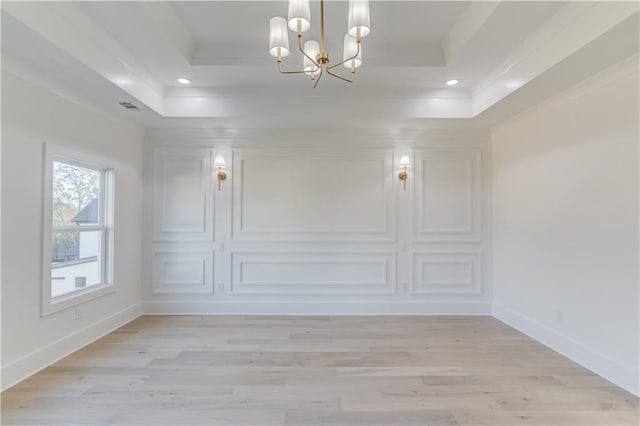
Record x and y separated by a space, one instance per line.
405 163
219 164
315 56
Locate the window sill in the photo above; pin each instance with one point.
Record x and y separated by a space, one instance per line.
70 300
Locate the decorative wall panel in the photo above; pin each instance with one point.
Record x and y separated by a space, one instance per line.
183 272
445 272
448 195
183 203
284 195
313 273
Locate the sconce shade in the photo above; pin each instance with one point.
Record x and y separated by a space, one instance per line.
405 161
311 48
359 17
350 49
219 161
299 10
278 37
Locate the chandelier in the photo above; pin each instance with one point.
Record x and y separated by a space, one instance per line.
315 60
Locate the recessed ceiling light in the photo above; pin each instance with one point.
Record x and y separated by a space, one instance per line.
452 82
183 80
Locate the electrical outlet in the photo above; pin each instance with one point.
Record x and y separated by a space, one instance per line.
78 313
560 316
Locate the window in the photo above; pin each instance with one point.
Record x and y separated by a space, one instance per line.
78 229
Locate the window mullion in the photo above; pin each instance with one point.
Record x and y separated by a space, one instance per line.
82 228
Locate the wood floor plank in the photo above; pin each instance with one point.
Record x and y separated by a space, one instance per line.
317 370
413 418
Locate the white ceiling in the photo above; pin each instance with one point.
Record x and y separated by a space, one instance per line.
248 21
105 52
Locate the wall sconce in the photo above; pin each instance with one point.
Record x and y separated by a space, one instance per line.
219 164
405 163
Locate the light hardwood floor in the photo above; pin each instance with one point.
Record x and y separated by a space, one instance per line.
255 370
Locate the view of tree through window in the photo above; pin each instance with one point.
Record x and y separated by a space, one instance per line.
74 188
75 250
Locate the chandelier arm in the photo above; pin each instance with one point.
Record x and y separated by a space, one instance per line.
346 60
353 75
305 54
318 79
288 72
279 60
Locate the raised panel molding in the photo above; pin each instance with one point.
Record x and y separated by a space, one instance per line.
183 199
183 272
447 272
318 273
303 228
448 195
313 195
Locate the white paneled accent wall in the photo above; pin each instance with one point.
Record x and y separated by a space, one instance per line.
316 227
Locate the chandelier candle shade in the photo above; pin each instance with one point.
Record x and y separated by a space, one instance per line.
312 49
278 37
315 58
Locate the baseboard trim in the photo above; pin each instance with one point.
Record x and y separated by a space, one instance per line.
315 308
619 374
31 363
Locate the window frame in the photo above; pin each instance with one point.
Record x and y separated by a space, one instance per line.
106 203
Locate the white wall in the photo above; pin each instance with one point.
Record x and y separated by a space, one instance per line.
311 224
565 223
31 116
